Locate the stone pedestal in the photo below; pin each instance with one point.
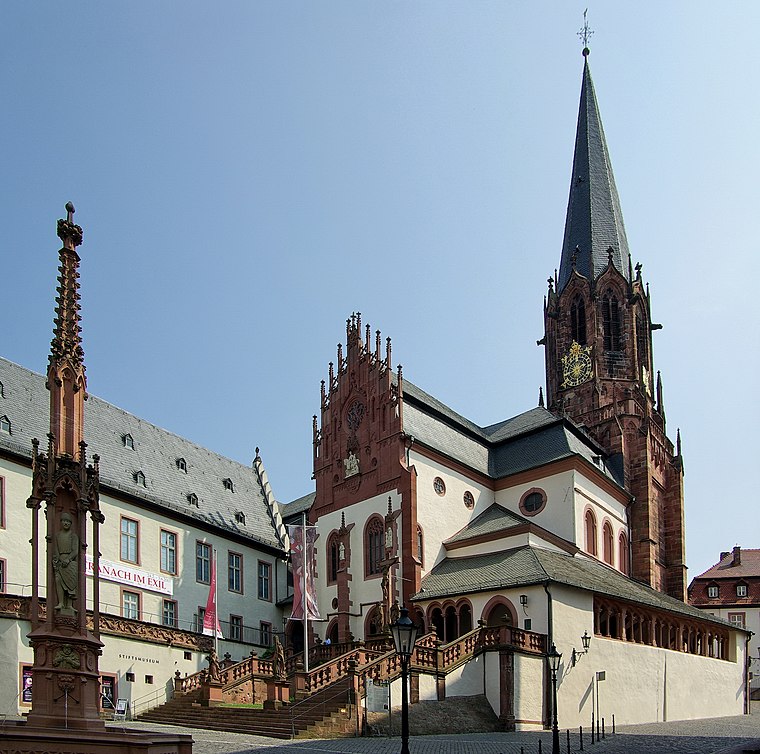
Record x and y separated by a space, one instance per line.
278 692
211 693
22 738
66 681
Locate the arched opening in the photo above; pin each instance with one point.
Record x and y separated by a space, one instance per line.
465 618
436 622
373 627
578 321
607 543
611 321
499 613
451 628
590 531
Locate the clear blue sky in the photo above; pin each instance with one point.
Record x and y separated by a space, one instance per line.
247 174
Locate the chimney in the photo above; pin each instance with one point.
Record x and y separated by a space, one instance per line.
737 556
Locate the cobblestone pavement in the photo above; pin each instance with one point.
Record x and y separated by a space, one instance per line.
732 735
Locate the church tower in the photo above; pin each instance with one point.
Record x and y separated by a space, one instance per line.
599 362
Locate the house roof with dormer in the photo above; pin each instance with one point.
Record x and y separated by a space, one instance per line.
727 567
153 466
594 222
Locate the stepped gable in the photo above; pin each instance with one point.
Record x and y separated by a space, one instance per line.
155 453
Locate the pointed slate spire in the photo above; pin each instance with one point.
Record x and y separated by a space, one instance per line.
594 220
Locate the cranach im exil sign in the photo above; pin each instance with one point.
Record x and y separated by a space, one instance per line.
122 574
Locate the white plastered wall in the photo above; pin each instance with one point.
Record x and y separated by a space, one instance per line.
364 592
642 683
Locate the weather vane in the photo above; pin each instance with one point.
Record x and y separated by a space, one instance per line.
585 33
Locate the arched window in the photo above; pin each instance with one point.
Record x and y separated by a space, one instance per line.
623 553
607 543
590 521
611 321
373 546
333 559
578 321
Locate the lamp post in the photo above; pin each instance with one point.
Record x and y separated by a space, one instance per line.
554 658
404 635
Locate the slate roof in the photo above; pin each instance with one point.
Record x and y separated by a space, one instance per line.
528 440
493 519
594 219
524 566
297 507
155 454
749 566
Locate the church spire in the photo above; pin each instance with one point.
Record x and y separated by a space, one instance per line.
594 222
66 378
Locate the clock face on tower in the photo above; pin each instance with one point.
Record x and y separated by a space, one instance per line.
576 366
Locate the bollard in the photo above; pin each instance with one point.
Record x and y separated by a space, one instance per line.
539 746
521 750
603 728
597 731
580 733
568 740
592 729
613 725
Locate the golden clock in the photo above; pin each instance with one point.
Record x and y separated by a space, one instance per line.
576 366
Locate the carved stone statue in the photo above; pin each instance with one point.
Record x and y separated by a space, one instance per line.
386 604
351 465
278 659
213 665
65 565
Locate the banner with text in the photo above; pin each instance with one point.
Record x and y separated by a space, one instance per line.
124 574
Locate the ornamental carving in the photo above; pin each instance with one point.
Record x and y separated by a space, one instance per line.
355 415
66 657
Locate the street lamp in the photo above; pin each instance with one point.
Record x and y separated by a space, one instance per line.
554 658
404 635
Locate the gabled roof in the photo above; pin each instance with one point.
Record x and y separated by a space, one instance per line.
297 507
526 441
526 565
724 569
594 219
155 454
493 519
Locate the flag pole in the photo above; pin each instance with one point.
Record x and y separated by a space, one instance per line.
216 607
305 603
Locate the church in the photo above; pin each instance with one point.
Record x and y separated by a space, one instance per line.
559 530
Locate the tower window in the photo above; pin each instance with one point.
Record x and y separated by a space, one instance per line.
611 322
578 321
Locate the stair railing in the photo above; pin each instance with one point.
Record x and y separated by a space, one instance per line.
151 699
299 710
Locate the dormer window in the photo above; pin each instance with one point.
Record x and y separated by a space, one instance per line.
240 517
741 590
2 390
5 424
128 441
139 478
713 591
182 464
192 499
228 485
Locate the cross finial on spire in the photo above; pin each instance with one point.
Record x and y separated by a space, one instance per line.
585 33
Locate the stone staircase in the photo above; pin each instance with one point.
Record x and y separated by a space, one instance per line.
324 714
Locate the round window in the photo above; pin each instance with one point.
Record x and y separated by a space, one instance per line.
469 500
439 486
532 502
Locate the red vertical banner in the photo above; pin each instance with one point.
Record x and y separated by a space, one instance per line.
303 565
211 626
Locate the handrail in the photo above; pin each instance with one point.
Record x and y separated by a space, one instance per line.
166 692
348 692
